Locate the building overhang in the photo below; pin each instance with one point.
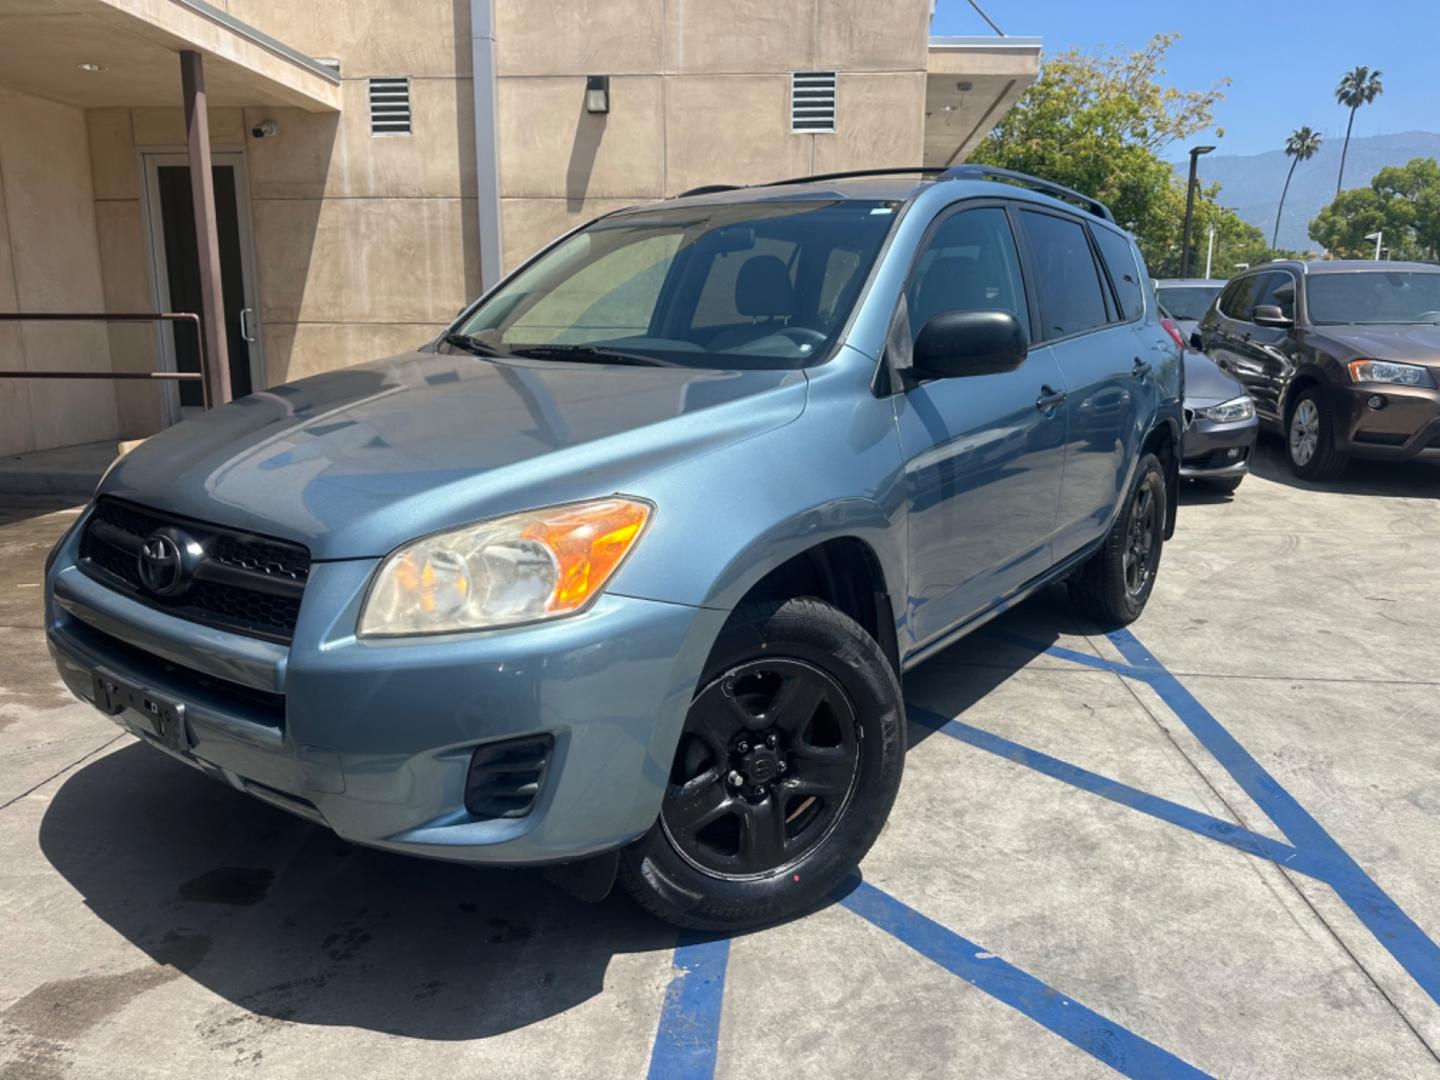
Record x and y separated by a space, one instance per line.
970 84
52 48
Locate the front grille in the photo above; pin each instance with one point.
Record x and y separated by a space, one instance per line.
505 777
242 582
1216 459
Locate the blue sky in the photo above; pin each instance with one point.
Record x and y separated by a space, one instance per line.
1283 61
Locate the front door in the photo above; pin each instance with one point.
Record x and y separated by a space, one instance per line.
176 262
983 454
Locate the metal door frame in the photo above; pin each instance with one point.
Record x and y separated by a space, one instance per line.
152 224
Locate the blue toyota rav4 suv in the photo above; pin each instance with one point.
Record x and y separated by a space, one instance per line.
622 571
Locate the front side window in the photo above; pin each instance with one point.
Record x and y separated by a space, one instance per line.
1238 299
1071 298
734 285
969 263
1405 297
1277 290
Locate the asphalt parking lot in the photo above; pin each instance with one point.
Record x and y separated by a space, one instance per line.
1208 845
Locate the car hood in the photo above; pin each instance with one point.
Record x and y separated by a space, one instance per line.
355 462
1206 384
1409 343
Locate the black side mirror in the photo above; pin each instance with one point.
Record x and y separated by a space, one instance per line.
1270 315
958 343
1196 341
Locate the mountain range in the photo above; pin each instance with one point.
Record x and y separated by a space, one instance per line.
1250 184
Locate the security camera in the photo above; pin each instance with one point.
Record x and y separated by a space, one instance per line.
266 129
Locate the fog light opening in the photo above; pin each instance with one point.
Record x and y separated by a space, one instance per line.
1376 402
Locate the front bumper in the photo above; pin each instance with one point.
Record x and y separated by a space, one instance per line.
1214 451
1407 424
374 738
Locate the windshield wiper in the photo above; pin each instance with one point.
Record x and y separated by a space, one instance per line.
473 344
595 353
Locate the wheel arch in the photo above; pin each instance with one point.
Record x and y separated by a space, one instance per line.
1164 442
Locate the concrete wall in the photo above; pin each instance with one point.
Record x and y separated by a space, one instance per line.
49 261
700 94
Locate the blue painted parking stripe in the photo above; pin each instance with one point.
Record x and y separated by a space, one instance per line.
1060 652
1415 951
1212 828
689 1033
1116 1046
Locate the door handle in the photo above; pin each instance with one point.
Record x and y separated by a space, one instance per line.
1141 368
1049 399
245 331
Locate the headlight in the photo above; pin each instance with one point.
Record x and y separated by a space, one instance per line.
541 564
1387 372
1229 412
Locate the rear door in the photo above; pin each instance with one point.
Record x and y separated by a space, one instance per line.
1102 361
983 454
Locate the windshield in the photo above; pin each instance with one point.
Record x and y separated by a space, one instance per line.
1188 301
748 285
1374 296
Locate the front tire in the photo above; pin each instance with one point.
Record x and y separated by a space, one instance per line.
1310 439
786 770
1114 584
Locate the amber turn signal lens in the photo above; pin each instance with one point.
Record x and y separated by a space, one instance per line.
588 542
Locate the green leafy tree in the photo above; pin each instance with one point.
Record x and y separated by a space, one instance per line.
1402 202
1302 145
1098 123
1359 86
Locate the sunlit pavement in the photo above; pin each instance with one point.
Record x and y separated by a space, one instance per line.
1207 845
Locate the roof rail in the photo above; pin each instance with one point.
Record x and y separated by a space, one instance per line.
1034 183
926 170
709 189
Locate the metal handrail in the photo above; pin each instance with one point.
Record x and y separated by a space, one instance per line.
153 316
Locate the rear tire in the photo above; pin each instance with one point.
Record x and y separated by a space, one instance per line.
799 705
1114 584
1310 438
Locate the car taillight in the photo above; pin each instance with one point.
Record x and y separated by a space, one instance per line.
1173 331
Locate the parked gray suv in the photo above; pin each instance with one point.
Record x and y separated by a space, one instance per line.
622 571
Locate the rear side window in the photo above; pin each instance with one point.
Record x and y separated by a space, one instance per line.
1124 273
1071 297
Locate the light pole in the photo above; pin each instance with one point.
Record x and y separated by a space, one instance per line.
1195 152
1377 236
1210 251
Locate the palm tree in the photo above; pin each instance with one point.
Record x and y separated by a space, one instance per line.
1302 145
1358 87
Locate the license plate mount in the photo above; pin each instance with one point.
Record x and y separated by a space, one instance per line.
164 717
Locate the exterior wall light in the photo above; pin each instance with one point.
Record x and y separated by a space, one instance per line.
597 93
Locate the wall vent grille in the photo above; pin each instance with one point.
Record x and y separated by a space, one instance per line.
812 101
390 106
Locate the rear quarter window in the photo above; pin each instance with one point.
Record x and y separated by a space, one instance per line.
1125 273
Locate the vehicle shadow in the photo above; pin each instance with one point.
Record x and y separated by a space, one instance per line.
1416 478
281 918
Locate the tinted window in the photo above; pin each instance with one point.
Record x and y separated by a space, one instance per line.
1277 289
1187 301
1071 299
1124 273
1239 297
968 264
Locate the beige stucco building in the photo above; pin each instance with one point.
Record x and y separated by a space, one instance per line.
377 163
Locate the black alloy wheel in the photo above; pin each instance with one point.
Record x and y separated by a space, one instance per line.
766 766
1142 550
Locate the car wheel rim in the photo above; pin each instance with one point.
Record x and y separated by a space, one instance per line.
765 769
1141 540
1304 432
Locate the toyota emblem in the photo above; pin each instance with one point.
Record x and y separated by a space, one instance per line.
163 563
